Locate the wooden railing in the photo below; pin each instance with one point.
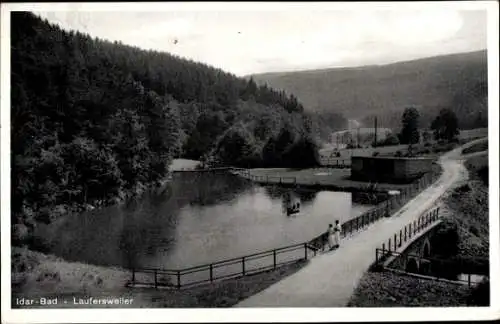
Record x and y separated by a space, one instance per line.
448 269
409 190
409 231
383 209
257 262
230 268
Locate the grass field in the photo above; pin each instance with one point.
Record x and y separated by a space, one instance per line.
333 179
183 164
478 147
471 134
35 274
345 154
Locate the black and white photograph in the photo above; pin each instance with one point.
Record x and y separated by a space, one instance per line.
323 160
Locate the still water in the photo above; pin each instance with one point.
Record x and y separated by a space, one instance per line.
201 218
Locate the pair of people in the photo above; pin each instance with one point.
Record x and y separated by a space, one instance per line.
334 235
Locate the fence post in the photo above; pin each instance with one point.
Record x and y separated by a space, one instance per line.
400 238
178 279
211 272
389 245
468 280
156 279
274 259
305 251
383 249
405 232
243 265
395 241
376 257
409 231
133 276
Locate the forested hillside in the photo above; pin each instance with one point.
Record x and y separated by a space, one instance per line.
457 81
94 121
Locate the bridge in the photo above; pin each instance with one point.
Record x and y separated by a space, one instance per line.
420 253
330 278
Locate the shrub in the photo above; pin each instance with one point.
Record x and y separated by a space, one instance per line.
375 153
20 234
398 153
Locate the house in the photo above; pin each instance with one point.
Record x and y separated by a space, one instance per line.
389 169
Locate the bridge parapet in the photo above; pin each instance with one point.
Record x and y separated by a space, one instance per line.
410 252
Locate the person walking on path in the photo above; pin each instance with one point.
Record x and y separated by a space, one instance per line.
331 234
337 231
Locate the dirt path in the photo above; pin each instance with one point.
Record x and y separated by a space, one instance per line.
330 279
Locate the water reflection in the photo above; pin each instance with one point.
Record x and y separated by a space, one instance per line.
201 218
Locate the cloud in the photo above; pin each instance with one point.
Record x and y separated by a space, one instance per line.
250 42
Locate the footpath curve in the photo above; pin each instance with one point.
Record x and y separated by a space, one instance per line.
329 279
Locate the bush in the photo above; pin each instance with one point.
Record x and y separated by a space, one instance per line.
20 234
398 153
375 153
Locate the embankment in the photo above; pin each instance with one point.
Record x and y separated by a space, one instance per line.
466 206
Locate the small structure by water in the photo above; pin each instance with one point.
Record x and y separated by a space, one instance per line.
385 169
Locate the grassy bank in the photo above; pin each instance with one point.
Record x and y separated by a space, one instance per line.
386 289
38 275
467 207
333 179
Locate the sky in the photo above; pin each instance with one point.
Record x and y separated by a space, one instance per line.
249 42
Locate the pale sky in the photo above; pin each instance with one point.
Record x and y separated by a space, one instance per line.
246 42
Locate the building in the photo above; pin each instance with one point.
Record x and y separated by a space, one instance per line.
389 169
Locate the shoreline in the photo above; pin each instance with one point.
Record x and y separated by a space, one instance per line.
51 282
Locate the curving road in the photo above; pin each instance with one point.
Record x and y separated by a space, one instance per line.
330 279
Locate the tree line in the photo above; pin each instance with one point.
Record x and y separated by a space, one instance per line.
93 121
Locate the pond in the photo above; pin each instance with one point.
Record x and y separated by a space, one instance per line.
201 218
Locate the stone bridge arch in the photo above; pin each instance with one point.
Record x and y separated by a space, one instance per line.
418 265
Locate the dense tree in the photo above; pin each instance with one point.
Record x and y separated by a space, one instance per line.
236 147
445 125
93 120
410 124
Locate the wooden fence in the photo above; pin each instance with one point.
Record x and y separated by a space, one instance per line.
230 268
271 259
409 231
383 209
441 266
337 163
